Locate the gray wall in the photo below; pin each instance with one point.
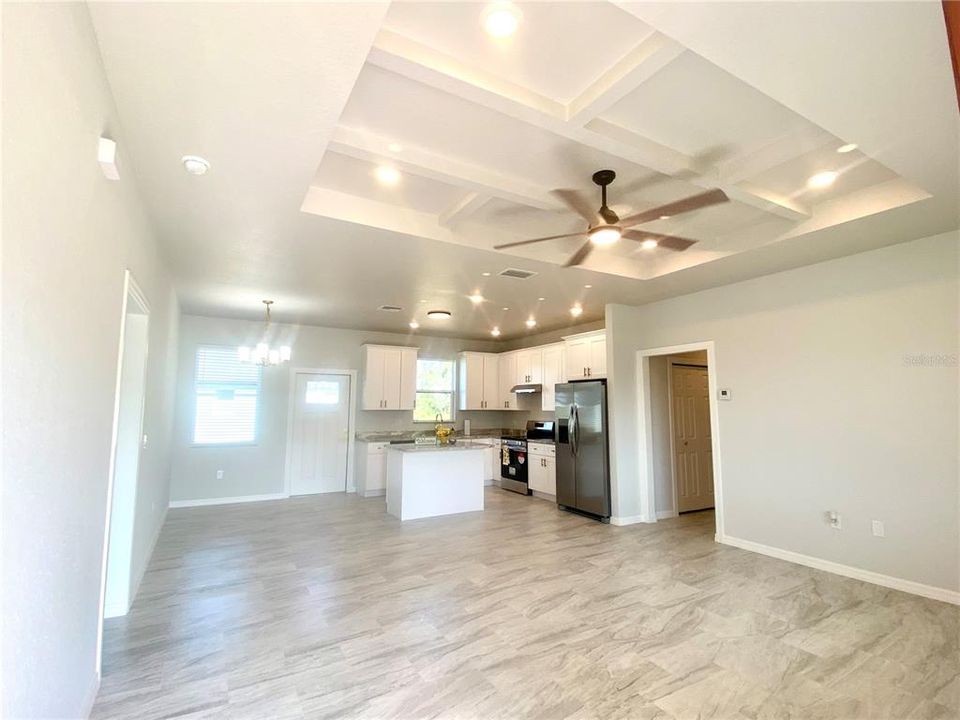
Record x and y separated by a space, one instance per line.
68 235
828 410
259 469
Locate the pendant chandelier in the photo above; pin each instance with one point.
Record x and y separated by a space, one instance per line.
263 354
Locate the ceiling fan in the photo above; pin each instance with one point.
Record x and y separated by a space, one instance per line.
606 227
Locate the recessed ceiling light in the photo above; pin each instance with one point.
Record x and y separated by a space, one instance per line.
588 286
495 332
439 315
576 311
485 274
664 217
849 147
194 164
501 19
541 299
605 235
822 179
387 175
414 324
395 147
531 323
506 308
423 301
476 298
648 244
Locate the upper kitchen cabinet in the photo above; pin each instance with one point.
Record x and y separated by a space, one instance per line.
389 377
529 366
552 374
508 378
479 381
585 355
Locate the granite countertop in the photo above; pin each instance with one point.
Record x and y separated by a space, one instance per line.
460 446
408 435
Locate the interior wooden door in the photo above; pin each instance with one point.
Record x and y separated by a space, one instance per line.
320 434
692 442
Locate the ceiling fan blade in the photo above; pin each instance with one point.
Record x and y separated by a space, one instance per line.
577 202
535 240
580 255
668 242
694 202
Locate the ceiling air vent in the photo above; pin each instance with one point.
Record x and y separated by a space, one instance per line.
517 273
390 308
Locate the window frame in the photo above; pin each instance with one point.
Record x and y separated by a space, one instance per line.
193 405
452 391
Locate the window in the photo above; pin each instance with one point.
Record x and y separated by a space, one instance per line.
322 392
434 391
227 392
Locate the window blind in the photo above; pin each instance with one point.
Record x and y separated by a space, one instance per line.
227 393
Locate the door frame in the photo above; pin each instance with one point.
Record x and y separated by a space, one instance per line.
671 363
350 485
130 288
645 428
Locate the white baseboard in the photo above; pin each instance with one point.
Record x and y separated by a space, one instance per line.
664 514
91 697
895 583
373 493
227 500
628 520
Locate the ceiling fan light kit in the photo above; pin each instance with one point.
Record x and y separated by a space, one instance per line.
605 227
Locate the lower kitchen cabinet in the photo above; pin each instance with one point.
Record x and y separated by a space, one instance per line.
542 468
371 473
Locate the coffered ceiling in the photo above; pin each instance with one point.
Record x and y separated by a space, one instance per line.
296 106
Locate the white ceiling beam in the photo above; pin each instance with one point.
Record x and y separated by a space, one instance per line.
463 208
651 55
417 62
417 161
763 199
424 65
776 152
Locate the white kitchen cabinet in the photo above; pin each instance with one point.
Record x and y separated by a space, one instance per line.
552 375
585 356
371 473
529 366
389 377
508 378
542 468
479 381
491 458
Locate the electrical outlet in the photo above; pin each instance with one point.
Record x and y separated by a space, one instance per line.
878 530
219 474
834 520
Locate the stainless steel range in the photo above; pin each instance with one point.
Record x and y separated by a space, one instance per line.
513 464
513 461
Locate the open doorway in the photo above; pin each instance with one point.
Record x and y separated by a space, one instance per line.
128 441
678 434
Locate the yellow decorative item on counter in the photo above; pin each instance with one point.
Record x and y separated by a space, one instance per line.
443 433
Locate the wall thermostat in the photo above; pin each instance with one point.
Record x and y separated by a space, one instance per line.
726 394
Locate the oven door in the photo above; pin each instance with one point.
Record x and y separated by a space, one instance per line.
513 469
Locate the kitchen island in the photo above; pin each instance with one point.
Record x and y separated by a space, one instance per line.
432 480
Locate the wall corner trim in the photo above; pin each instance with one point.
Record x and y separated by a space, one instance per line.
91 697
894 583
664 514
227 500
629 520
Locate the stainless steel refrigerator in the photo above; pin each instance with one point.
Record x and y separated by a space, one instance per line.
580 434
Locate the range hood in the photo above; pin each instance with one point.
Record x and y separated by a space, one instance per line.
527 388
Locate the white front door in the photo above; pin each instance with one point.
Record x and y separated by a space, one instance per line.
692 443
319 434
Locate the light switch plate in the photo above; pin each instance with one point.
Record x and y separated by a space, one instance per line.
725 394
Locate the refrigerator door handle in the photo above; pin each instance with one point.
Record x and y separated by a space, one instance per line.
574 429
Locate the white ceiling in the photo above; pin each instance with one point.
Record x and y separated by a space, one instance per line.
296 105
